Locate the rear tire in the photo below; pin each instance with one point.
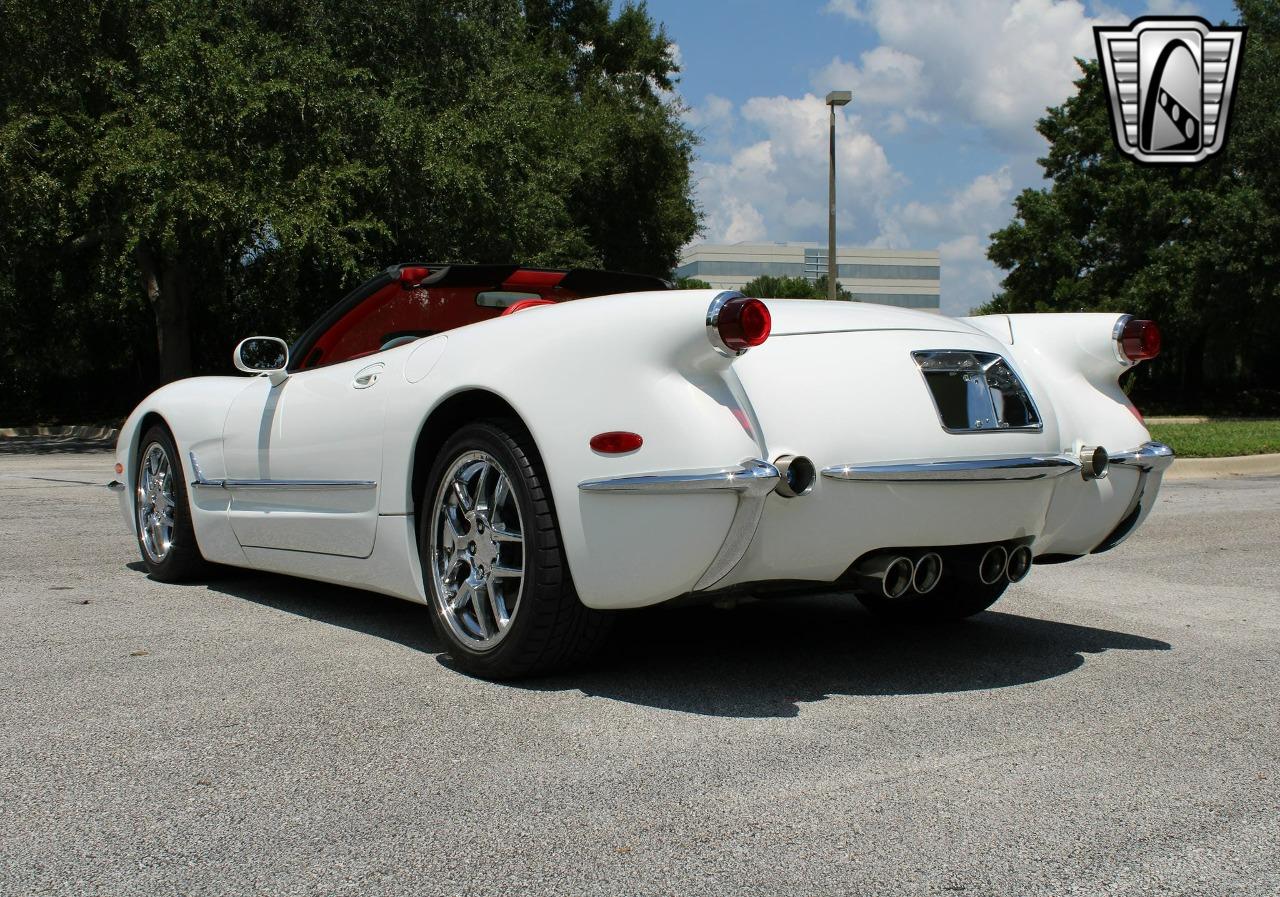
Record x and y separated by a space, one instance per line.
161 512
495 574
951 599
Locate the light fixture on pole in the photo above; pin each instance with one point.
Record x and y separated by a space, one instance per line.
834 99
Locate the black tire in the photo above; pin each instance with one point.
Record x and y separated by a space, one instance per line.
951 599
182 561
550 628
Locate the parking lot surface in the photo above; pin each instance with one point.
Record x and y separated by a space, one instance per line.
1111 727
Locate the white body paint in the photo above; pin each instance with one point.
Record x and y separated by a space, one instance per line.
835 382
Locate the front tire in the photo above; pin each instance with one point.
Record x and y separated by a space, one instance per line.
495 573
162 515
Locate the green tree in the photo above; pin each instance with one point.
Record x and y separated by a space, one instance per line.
770 287
691 283
178 172
1195 248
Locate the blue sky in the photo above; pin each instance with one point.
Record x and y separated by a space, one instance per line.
939 138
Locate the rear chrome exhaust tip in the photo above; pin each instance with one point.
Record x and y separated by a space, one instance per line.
927 572
992 565
889 574
797 476
1094 462
1019 564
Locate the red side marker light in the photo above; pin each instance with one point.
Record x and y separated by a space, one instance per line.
743 323
616 442
1139 340
119 468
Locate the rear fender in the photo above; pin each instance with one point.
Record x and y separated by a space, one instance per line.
636 362
1074 358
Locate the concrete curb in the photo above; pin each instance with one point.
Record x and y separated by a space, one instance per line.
1224 468
80 432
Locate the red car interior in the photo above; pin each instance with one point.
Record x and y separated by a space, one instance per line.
405 309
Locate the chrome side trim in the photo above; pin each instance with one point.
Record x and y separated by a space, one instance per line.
201 480
713 318
116 486
964 470
1148 456
752 480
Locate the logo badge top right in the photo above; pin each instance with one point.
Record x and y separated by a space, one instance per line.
1170 82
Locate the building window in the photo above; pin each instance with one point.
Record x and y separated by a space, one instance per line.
740 269
902 300
868 272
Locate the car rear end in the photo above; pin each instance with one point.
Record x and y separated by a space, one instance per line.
885 435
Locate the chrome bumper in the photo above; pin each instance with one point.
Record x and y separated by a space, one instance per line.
752 480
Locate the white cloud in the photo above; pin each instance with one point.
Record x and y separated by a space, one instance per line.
1172 8
959 226
886 77
850 8
982 200
994 63
776 187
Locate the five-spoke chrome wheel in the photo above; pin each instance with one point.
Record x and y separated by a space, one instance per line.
476 549
156 502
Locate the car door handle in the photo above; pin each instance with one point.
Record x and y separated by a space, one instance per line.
366 377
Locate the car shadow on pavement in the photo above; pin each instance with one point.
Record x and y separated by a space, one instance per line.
764 659
387 618
760 659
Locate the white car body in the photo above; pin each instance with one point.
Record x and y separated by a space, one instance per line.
315 475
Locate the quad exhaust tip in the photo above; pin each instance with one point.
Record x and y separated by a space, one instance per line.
927 572
797 476
890 574
992 565
1019 564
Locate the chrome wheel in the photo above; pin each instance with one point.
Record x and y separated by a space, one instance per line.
476 550
156 502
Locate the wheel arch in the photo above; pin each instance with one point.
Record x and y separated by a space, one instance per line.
462 407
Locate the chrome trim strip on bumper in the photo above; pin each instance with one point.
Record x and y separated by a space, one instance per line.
752 480
963 470
750 476
1148 456
201 480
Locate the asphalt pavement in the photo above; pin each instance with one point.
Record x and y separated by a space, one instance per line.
1111 728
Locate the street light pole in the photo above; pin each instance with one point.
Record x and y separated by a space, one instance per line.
834 98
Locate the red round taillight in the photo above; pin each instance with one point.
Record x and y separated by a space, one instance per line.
1139 340
738 324
616 442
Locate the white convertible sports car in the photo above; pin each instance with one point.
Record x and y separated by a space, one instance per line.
465 437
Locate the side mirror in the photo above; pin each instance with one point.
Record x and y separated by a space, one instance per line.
263 355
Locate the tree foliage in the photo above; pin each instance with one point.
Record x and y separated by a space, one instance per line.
177 173
769 287
1195 248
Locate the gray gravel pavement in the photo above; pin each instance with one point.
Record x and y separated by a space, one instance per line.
1111 729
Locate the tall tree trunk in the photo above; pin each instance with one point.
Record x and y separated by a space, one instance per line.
168 292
